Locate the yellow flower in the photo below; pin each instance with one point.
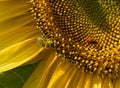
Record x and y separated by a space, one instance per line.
77 41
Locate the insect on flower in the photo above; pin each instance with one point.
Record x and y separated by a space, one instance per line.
90 40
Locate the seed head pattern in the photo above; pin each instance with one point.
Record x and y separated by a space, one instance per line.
85 32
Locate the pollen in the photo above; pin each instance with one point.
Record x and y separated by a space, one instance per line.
85 33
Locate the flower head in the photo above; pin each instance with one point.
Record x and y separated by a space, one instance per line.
78 41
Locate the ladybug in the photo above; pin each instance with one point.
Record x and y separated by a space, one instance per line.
90 40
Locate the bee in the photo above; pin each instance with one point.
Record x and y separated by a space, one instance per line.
45 43
40 41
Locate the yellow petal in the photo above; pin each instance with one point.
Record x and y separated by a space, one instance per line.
12 8
16 36
97 81
45 67
107 83
117 83
16 23
71 78
81 80
76 78
61 71
88 80
18 54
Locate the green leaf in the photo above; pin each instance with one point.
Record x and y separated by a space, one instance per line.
15 78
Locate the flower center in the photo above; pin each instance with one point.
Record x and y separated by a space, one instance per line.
86 33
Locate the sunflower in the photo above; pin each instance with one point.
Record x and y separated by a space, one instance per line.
76 41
